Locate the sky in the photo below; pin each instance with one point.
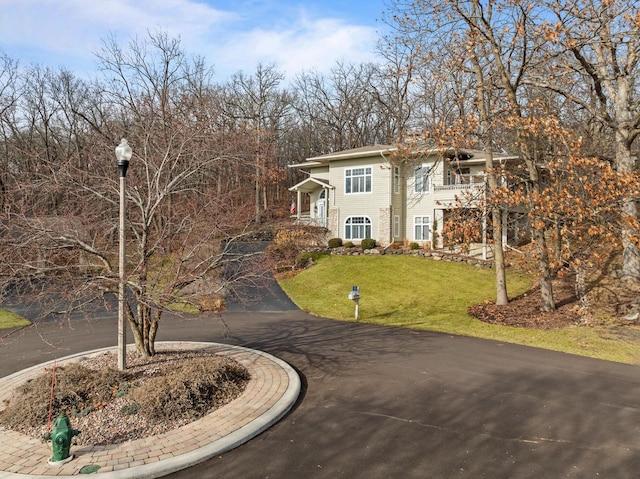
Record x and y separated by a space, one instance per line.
232 35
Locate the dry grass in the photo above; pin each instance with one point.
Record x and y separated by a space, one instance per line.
109 406
191 389
77 390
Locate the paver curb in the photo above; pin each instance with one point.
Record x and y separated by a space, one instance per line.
270 394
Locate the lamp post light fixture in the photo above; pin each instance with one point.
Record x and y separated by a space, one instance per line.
123 155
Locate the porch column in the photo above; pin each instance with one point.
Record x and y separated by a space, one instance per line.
505 232
299 203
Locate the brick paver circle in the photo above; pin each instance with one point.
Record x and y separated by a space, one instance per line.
270 393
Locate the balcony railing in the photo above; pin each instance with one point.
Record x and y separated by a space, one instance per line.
462 182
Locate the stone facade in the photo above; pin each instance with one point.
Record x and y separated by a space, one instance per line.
385 233
332 225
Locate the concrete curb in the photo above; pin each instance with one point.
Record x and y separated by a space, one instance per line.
284 393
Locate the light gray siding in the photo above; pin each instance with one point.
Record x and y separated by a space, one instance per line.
363 204
374 204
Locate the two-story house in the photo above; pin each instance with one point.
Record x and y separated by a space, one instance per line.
382 193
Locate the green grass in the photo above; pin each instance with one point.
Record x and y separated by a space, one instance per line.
420 293
11 320
183 307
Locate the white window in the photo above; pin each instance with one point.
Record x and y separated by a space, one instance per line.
396 179
357 180
421 183
396 226
421 228
357 228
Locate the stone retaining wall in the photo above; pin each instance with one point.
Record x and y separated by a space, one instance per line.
436 255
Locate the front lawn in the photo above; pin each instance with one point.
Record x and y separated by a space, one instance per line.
9 320
433 295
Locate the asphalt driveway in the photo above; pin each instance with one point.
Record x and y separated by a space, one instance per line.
393 403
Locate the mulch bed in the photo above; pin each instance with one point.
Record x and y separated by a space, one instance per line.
524 311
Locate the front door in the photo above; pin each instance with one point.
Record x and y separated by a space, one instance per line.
322 208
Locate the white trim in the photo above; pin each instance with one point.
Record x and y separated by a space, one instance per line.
422 224
312 180
370 175
367 222
359 153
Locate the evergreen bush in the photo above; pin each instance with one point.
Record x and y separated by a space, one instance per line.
334 243
368 243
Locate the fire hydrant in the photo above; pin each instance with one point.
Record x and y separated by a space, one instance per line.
60 436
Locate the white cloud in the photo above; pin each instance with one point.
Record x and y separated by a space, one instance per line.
68 33
52 31
308 45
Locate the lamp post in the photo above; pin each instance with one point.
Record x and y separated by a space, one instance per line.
123 155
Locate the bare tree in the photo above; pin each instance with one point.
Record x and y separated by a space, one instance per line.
488 44
61 228
9 94
257 105
342 111
593 60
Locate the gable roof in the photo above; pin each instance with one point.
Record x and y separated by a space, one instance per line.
362 152
310 184
356 153
460 155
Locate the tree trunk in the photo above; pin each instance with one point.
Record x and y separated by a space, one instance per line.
626 164
492 182
502 297
258 218
547 302
581 294
265 203
153 330
498 256
141 328
630 253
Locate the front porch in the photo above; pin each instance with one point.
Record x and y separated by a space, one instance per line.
318 205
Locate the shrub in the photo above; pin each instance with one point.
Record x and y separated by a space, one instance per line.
334 243
211 302
414 246
292 238
311 255
349 244
368 243
129 410
77 389
435 234
191 389
308 258
289 243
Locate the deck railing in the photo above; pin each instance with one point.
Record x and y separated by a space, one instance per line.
463 182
